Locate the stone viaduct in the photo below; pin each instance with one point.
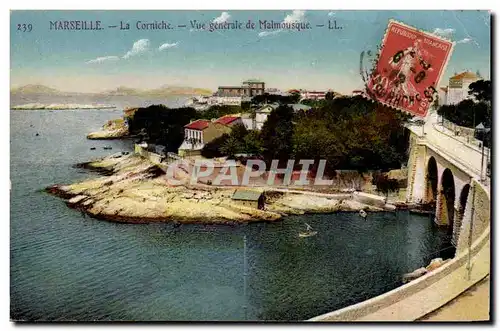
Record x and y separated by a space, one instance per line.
442 170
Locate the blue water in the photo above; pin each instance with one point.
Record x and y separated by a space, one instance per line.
65 266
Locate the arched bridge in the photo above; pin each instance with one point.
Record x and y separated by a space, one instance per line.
448 171
442 169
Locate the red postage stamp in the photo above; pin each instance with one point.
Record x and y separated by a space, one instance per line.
409 68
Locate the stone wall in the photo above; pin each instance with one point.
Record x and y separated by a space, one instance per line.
477 213
417 168
153 157
459 130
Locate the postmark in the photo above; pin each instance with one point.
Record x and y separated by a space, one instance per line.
407 71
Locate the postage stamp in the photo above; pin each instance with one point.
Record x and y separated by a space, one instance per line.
409 68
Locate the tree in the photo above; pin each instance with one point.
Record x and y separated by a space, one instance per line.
352 133
239 131
240 140
481 90
217 111
246 105
277 134
467 113
329 95
295 97
276 98
230 147
212 148
159 124
253 143
385 185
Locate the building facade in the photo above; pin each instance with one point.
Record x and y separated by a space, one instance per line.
248 198
458 88
314 95
248 88
262 113
225 100
200 132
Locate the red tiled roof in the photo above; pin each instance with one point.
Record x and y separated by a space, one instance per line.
198 125
226 120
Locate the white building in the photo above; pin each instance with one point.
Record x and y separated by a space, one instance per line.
314 95
458 88
248 121
228 101
262 113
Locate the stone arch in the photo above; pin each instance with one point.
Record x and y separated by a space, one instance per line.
462 203
431 181
447 197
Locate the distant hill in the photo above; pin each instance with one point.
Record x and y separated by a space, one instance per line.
122 90
161 91
34 89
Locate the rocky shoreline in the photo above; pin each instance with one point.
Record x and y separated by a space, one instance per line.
113 129
133 190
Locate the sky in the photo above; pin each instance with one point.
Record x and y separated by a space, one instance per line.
314 59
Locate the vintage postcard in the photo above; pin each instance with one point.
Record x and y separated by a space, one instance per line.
237 165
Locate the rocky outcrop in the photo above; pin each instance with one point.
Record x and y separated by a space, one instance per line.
113 129
137 191
433 265
296 204
414 275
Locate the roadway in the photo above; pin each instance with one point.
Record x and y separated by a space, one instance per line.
472 305
464 154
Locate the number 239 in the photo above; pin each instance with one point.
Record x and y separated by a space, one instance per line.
24 27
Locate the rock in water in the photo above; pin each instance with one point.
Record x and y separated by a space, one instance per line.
414 275
435 263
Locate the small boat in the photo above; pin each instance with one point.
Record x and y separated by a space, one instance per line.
37 134
92 148
362 213
308 233
108 147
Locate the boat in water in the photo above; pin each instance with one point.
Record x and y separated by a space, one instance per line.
362 213
308 233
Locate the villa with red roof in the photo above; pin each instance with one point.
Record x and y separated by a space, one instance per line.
229 120
200 132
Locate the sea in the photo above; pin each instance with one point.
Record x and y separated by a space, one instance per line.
66 266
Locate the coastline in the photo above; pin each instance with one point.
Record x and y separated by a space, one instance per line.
134 190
